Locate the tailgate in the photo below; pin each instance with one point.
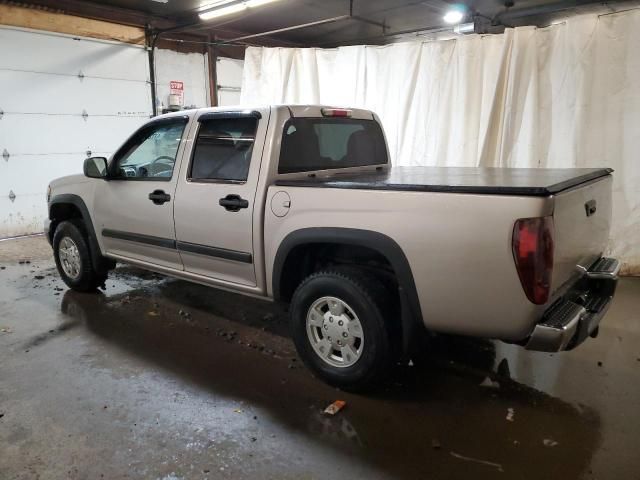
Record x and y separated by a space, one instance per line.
582 218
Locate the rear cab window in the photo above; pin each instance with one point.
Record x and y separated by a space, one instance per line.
310 144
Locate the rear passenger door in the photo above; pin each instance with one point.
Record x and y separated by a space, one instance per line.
215 196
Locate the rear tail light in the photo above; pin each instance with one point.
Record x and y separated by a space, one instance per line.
533 254
336 112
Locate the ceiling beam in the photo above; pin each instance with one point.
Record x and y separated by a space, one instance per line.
288 29
98 11
54 21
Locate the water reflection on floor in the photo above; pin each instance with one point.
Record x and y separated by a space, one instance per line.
158 378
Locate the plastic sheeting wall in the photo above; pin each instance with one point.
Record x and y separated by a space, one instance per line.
563 96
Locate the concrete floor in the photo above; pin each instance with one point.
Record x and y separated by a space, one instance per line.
123 385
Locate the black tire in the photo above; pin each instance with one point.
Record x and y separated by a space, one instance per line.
370 302
88 278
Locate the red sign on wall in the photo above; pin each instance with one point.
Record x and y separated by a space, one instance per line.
176 88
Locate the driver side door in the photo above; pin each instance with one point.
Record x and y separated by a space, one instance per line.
134 208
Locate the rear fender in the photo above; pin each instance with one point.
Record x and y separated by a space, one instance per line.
386 246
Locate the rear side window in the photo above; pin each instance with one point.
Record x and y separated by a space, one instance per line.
327 143
223 149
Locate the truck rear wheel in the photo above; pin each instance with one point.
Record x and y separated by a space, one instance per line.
338 325
73 258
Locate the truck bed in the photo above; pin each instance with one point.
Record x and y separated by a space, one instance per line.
538 182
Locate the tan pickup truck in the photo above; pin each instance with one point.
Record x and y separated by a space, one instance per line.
300 204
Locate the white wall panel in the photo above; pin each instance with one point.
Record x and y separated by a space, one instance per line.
228 97
60 54
23 215
229 73
39 170
27 177
43 98
70 95
63 134
190 68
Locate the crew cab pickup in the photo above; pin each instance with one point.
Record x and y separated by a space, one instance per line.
300 204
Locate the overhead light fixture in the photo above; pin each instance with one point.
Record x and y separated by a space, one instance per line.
222 11
228 8
454 16
465 28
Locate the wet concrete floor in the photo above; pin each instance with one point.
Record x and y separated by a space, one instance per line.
158 378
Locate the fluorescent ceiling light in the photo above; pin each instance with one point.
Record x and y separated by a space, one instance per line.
233 8
257 3
220 12
453 16
464 28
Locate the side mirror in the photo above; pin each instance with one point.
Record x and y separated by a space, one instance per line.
95 167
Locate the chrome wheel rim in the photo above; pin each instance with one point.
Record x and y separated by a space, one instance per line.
335 332
69 258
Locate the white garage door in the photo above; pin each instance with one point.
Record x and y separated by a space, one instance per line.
61 97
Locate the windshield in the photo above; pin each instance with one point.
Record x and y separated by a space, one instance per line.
328 143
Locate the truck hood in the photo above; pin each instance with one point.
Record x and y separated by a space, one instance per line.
68 180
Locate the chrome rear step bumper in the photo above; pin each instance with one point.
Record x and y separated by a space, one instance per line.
606 268
576 316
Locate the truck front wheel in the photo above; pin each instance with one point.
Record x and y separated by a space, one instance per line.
73 258
338 326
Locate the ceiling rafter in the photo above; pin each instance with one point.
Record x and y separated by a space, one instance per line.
310 22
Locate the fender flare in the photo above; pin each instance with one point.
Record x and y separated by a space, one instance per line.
386 246
76 201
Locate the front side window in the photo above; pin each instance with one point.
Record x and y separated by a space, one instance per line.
223 149
327 143
151 153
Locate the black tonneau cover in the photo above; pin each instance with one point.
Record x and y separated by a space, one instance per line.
538 182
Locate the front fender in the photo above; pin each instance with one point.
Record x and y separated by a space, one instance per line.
79 204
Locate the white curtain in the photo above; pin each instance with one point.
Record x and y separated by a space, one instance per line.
563 96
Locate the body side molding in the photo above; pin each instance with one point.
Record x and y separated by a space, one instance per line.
139 238
206 250
215 252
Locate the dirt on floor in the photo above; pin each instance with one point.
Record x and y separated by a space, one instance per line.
157 378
